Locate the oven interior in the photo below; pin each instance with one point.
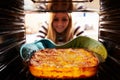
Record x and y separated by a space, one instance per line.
12 36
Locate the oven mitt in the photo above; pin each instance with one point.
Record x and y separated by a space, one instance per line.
27 50
88 43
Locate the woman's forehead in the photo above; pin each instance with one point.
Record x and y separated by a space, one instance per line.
61 14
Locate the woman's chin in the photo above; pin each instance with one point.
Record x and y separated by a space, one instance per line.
59 31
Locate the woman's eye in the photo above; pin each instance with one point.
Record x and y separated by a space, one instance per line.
55 19
60 20
64 19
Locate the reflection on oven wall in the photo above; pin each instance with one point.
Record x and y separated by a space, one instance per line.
12 36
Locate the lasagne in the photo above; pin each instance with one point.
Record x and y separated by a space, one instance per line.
63 63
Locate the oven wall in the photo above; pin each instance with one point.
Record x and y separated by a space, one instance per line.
11 37
109 33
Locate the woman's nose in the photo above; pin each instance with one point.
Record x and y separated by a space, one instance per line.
60 23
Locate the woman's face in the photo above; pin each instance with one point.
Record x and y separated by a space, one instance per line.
60 22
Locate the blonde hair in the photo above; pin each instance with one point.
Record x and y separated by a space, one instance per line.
52 33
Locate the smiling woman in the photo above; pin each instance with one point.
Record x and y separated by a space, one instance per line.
60 28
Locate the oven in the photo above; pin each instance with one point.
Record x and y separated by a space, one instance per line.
12 36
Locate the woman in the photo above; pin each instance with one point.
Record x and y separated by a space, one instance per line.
60 29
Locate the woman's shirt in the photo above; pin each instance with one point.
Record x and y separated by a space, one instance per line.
43 30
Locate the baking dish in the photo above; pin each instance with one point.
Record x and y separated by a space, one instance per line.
63 63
